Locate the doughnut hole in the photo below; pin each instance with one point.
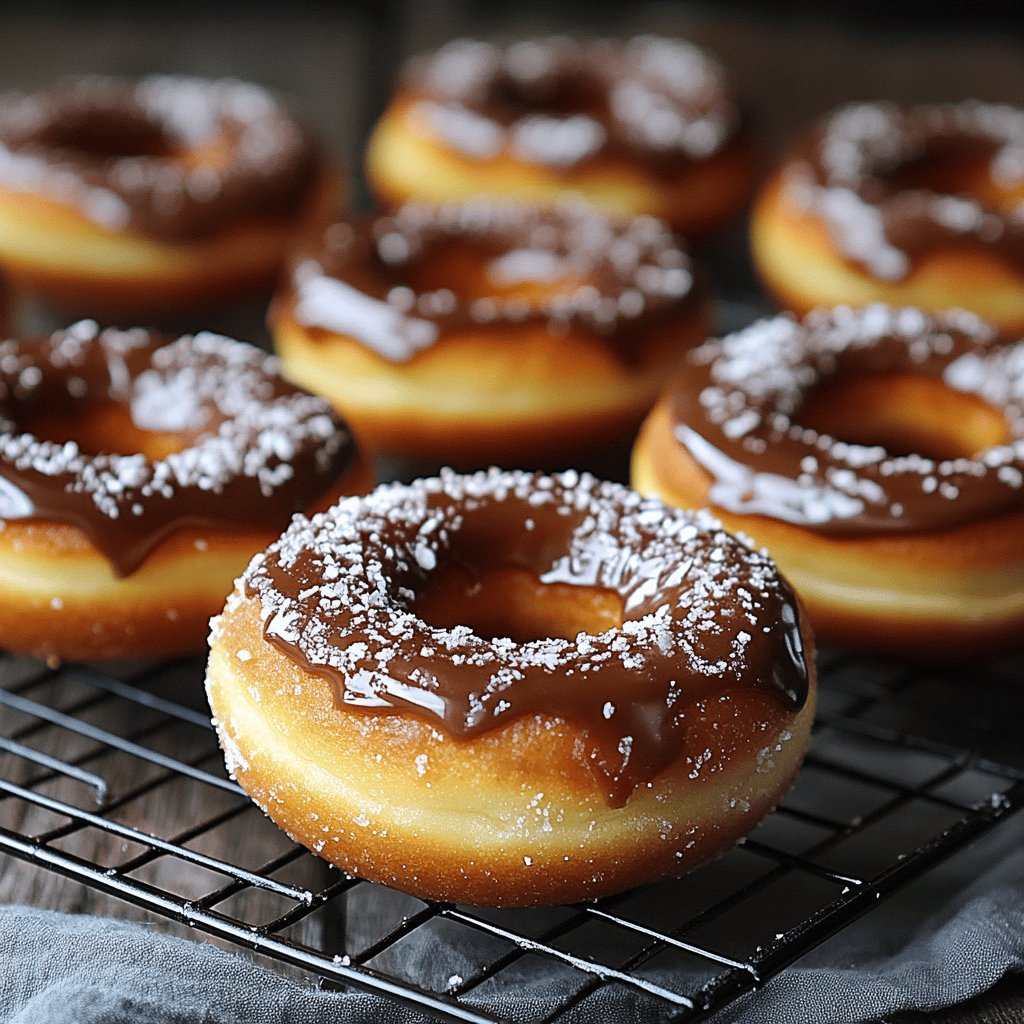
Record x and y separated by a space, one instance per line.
560 93
101 135
215 155
952 171
485 272
512 602
905 414
103 428
949 171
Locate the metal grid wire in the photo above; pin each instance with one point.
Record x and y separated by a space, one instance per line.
114 779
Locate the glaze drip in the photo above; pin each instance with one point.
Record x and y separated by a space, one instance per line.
737 411
248 448
703 615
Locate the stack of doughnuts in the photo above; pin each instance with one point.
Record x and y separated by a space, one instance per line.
501 686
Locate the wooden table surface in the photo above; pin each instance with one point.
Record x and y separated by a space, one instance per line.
334 63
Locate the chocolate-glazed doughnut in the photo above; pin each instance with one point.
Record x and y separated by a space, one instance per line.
138 476
920 206
126 198
642 126
512 689
490 331
879 456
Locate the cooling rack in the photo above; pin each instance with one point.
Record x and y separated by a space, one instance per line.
112 777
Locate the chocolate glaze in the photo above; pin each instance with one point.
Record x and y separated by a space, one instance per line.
622 277
703 616
565 103
167 157
254 449
736 410
893 185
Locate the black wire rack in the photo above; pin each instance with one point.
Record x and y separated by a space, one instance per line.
114 779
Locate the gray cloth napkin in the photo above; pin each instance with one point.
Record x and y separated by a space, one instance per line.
949 936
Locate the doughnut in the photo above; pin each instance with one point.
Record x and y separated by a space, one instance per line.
490 331
512 689
877 453
138 477
643 126
122 198
922 206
